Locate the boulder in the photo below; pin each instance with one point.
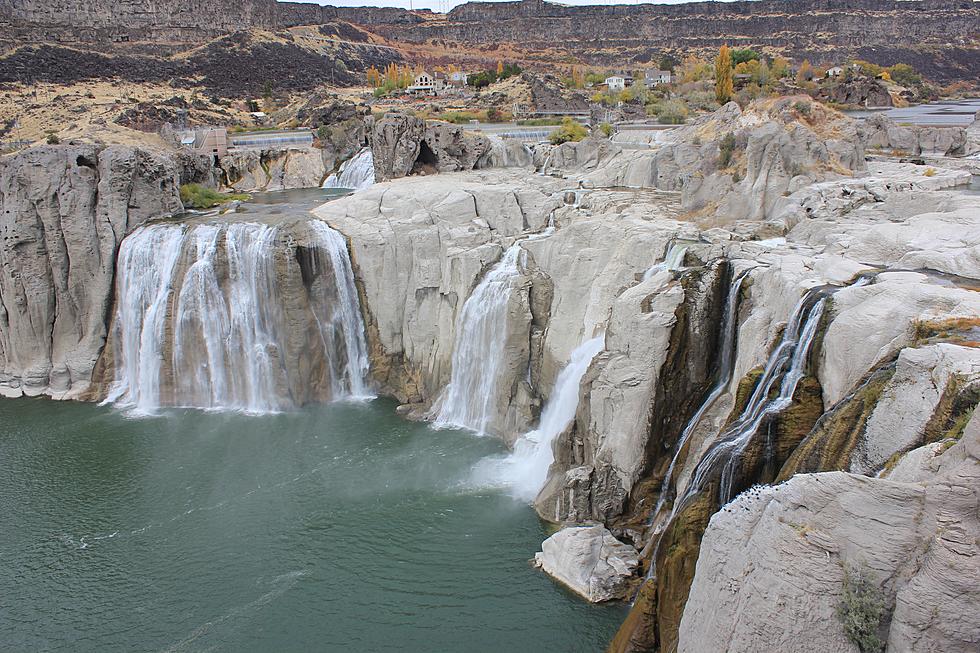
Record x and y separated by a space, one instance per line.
590 562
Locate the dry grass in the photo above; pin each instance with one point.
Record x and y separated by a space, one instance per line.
957 330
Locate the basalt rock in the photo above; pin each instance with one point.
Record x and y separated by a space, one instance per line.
65 210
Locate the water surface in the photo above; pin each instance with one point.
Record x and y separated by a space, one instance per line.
334 528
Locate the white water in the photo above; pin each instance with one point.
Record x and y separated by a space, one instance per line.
481 332
200 321
788 364
525 470
345 318
356 173
726 365
672 261
146 263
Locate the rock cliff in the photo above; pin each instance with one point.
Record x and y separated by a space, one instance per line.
65 211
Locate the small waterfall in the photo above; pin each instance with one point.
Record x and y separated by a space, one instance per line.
672 261
202 320
481 331
525 470
786 366
345 317
356 173
729 329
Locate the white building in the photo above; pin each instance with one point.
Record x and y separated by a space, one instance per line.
654 77
615 83
836 71
457 78
426 84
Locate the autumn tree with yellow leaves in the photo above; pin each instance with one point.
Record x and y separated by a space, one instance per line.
724 80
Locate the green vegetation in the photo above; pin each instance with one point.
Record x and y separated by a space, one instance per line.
52 139
861 609
569 131
745 55
905 75
487 77
669 112
539 122
606 129
726 148
195 196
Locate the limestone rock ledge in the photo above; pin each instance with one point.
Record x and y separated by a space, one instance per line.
590 561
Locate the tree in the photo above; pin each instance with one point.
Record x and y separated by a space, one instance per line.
805 73
500 68
905 75
747 54
724 82
569 131
779 67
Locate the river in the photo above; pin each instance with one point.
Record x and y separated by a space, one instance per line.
337 527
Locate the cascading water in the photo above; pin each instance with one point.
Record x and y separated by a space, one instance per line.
672 261
356 173
147 259
200 321
481 330
525 470
729 329
786 365
344 320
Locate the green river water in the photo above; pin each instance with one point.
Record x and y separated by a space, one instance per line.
339 527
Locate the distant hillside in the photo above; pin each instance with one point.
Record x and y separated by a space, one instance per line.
940 38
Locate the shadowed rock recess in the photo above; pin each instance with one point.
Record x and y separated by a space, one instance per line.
727 385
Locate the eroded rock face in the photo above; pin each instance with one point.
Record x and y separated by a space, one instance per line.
881 132
770 573
272 170
404 145
590 562
65 209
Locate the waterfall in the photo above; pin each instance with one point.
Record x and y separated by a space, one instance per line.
356 173
481 332
672 261
345 319
525 470
202 319
786 366
726 364
146 263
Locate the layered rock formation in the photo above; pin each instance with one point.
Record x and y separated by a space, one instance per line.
65 211
589 561
403 144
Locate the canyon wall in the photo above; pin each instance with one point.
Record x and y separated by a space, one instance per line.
65 210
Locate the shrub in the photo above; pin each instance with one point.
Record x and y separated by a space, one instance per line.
930 172
607 129
745 55
726 148
53 139
672 112
861 609
569 131
904 74
802 108
195 196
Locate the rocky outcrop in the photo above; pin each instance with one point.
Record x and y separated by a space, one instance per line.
860 91
405 145
590 562
882 133
270 170
65 210
772 564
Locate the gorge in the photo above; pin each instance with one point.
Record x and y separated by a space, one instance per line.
721 384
